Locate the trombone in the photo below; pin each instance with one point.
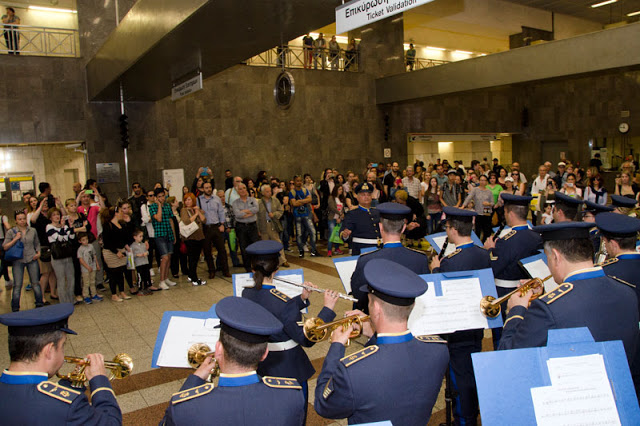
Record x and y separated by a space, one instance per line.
316 330
197 353
490 306
119 368
319 290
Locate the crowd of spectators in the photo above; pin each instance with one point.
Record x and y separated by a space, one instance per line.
71 249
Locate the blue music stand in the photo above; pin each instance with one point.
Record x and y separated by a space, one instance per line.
505 378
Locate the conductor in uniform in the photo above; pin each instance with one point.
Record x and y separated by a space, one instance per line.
507 251
361 223
619 236
36 349
585 297
393 222
466 257
383 381
241 397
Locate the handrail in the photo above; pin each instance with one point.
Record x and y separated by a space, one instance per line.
39 41
300 57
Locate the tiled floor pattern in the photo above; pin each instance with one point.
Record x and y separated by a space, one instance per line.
131 327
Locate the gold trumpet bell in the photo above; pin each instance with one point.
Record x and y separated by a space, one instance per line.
122 367
312 331
197 353
488 309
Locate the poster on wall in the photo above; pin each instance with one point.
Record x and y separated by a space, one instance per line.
108 172
173 179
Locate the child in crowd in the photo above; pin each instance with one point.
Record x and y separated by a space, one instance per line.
547 216
141 259
88 262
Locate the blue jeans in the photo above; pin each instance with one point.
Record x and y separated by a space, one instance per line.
432 222
164 246
304 225
287 230
331 223
34 275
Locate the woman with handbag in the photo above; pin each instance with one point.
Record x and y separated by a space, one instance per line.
193 236
179 257
22 249
60 236
115 239
37 218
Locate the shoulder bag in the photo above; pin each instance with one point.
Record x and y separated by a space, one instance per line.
16 251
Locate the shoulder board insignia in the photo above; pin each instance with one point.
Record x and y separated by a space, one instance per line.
360 355
280 295
509 234
416 250
454 253
59 392
620 280
431 339
281 382
557 293
608 262
188 394
369 252
328 389
492 257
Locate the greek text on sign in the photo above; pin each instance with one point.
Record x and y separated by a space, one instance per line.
183 89
358 13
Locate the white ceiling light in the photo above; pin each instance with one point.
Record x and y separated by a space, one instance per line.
634 13
463 52
604 3
52 9
442 49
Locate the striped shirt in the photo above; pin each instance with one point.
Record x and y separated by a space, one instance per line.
64 233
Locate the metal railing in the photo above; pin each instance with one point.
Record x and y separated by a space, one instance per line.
39 41
299 57
421 63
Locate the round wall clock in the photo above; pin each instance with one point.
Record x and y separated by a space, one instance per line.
623 127
284 90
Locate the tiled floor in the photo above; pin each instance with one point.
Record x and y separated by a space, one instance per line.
131 327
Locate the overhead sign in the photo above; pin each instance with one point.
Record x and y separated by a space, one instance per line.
358 13
186 88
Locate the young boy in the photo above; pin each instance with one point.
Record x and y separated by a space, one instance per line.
89 266
141 260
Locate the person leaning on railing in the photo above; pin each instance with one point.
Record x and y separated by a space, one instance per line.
11 34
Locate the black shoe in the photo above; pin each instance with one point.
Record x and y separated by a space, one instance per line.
301 255
315 254
100 287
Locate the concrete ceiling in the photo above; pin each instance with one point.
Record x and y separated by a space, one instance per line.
158 42
608 14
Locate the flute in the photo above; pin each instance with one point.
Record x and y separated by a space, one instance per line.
319 290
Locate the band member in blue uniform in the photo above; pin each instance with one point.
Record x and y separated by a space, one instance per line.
36 348
591 210
566 208
383 381
393 222
242 397
619 236
361 224
586 297
466 257
507 251
286 357
624 205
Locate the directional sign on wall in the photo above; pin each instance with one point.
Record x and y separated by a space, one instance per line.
358 13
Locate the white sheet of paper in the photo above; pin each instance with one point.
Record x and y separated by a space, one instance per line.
345 271
457 309
440 242
539 269
182 332
580 393
245 280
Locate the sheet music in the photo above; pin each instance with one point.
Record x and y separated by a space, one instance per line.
539 269
182 332
580 393
457 309
345 271
440 242
246 280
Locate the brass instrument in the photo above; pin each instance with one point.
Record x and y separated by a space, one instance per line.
490 306
602 254
319 290
197 353
119 368
316 330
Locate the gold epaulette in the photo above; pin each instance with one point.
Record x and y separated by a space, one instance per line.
188 394
59 392
280 295
360 355
556 293
369 252
430 339
449 256
416 250
509 234
608 262
281 382
620 280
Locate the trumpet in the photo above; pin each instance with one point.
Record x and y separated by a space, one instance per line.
316 330
319 290
197 353
119 368
490 306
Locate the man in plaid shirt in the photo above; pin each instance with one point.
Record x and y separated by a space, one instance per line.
161 214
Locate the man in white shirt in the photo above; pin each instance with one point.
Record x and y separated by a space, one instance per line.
231 194
411 184
540 183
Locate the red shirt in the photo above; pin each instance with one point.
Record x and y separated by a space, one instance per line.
92 217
